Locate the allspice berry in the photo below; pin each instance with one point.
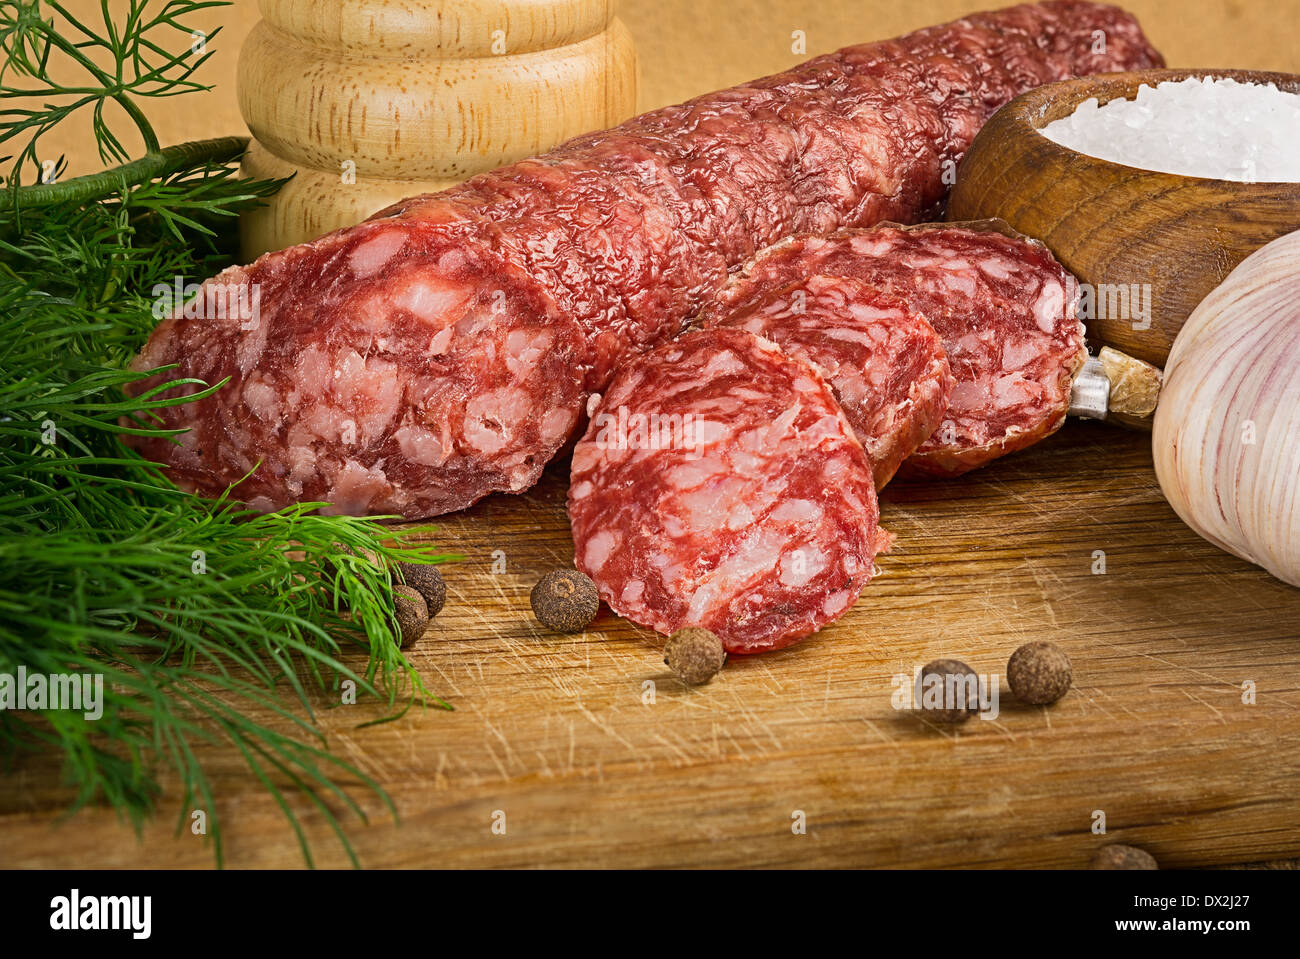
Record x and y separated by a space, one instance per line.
695 655
329 570
412 614
1039 673
565 600
953 697
428 582
1119 856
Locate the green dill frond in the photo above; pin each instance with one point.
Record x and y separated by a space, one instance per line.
200 615
123 57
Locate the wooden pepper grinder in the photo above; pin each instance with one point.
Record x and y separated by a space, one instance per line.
366 102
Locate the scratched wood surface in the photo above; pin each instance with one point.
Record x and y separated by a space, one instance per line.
554 732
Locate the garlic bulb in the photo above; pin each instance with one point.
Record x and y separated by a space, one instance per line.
1226 438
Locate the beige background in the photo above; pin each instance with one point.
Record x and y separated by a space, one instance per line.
691 46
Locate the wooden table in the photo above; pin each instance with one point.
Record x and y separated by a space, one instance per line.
558 732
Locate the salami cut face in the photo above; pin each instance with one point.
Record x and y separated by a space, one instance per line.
383 366
884 362
530 285
719 485
1003 306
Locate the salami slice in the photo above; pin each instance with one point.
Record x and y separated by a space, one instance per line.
529 285
719 485
884 362
1003 306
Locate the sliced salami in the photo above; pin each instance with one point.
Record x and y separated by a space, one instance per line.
719 485
621 236
1003 306
884 362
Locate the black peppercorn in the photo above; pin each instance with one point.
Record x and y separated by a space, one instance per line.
1119 856
1039 673
565 600
695 655
412 614
953 695
428 582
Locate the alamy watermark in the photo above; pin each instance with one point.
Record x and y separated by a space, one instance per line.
934 691
209 301
77 692
75 912
625 430
1116 301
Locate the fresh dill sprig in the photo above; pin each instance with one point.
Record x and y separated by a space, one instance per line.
200 615
115 62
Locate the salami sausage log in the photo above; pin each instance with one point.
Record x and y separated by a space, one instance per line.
443 349
1003 306
884 362
720 485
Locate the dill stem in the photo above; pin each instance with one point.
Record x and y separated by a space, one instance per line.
94 186
151 144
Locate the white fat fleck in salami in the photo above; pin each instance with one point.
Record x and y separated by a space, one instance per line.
1002 305
884 362
719 485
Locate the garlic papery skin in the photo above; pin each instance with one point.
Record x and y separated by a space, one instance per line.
1226 437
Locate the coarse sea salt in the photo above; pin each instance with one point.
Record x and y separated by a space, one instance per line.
1201 126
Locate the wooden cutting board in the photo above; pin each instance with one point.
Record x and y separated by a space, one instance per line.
556 731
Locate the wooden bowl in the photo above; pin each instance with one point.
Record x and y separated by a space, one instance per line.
366 102
1177 237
